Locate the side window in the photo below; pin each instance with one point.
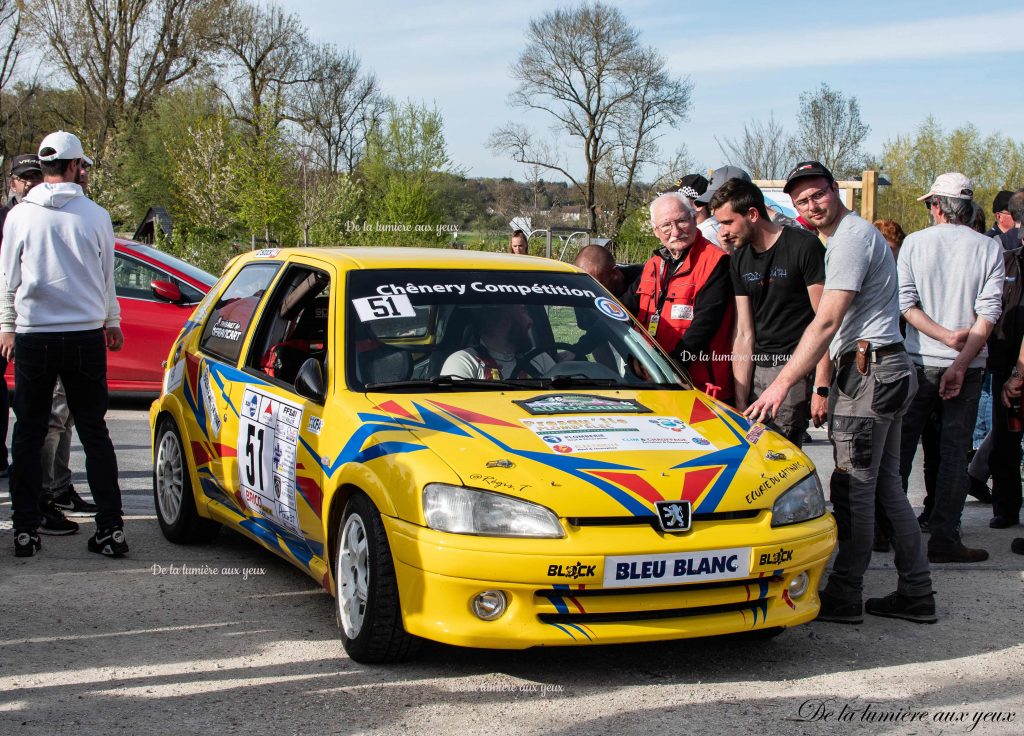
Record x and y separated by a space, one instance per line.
231 316
293 327
132 278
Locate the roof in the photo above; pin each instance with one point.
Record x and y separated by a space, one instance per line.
439 258
154 215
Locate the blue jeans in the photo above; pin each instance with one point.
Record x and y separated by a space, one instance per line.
958 416
79 359
984 421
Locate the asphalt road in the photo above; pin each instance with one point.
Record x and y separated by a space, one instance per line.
239 641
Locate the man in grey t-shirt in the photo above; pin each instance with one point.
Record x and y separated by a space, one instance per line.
874 381
951 279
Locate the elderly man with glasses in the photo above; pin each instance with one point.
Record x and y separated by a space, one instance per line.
685 296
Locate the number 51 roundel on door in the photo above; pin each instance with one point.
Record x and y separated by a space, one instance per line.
268 432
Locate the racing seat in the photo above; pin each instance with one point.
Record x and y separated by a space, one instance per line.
383 364
459 333
307 340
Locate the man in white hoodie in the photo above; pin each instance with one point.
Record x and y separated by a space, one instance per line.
58 316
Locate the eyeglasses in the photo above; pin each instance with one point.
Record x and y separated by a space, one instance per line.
666 228
815 197
30 179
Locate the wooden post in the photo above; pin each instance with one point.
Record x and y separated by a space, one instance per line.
869 189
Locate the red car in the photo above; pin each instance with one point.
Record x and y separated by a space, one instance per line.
157 293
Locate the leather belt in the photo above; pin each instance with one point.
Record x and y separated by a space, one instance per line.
850 356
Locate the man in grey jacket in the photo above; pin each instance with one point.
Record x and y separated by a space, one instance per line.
951 278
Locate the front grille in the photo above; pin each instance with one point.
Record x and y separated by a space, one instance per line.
656 589
652 520
614 617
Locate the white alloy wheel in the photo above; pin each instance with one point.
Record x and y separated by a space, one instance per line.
170 473
353 575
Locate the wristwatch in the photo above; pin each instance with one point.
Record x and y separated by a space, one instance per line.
821 391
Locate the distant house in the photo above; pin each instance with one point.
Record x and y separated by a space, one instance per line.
571 213
155 217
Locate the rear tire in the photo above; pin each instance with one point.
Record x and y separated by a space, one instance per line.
172 491
369 612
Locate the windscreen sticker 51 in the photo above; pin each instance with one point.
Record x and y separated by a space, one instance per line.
268 434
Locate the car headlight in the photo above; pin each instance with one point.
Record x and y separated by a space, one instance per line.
466 511
805 500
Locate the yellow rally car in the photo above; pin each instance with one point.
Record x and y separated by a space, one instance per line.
479 449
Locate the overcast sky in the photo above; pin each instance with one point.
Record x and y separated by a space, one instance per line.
902 60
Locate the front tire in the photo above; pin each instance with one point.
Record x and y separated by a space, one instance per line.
367 605
172 491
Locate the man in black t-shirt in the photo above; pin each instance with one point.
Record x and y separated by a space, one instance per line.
778 274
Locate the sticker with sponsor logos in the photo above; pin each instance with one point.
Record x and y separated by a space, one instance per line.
773 480
580 404
266 253
773 559
574 572
754 433
611 308
631 571
212 412
314 424
174 377
268 436
568 435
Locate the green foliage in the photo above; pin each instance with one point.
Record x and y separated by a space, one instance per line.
913 162
264 190
402 175
635 240
204 247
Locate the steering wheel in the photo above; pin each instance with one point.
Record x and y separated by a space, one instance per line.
525 361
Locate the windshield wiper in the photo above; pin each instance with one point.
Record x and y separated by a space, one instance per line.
443 382
578 380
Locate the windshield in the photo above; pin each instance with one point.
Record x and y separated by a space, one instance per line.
493 330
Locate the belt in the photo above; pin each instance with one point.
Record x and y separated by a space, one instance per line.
850 356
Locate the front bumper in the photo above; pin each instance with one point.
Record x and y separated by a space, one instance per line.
555 587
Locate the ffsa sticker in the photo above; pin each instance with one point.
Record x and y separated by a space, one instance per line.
372 308
268 436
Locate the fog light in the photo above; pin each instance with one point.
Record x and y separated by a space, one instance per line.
798 585
489 605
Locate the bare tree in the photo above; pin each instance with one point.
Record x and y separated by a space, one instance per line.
831 130
121 55
765 149
12 42
586 68
265 51
337 104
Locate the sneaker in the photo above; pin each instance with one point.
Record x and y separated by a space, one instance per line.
69 500
979 490
1003 522
54 521
919 609
109 542
1017 546
26 544
959 553
836 611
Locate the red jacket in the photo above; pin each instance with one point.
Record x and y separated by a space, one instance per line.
696 314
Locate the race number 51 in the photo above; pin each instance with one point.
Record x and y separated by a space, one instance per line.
371 308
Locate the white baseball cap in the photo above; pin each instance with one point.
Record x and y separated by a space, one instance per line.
953 185
62 146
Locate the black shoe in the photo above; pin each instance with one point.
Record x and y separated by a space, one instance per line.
54 521
959 553
979 491
1003 522
922 521
109 542
919 609
26 544
1017 546
69 500
836 611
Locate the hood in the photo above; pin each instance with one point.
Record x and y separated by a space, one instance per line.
54 196
603 453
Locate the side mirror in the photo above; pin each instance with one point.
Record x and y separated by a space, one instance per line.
167 291
310 381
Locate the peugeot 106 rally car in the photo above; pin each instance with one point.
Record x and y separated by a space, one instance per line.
576 491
